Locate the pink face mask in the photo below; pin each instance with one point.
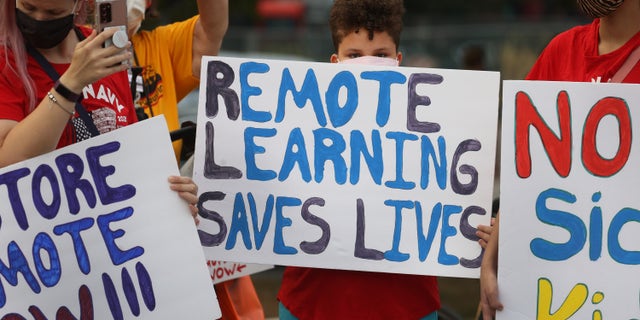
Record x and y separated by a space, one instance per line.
372 61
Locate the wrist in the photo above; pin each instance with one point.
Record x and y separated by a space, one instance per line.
66 92
54 100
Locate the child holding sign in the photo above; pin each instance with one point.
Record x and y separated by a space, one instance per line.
607 50
363 32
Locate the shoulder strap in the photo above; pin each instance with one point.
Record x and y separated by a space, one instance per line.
51 72
626 67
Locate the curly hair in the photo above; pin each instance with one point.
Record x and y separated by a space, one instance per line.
347 16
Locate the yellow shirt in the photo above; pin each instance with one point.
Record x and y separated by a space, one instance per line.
165 54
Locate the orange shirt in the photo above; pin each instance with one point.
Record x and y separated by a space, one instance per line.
166 54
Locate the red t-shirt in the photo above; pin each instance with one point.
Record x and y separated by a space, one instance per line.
573 56
313 293
108 101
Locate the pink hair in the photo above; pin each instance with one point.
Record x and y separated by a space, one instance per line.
13 48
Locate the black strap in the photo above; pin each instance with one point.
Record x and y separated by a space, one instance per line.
136 72
42 61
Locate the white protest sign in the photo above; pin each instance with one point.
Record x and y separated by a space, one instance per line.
93 228
569 233
345 166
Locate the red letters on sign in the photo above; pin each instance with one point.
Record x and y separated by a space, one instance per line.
558 149
592 160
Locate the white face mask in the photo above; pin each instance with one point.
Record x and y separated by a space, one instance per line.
134 21
135 15
372 61
139 5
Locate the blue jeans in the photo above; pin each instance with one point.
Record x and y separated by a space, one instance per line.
284 314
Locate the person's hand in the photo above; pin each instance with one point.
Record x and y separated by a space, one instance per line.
91 61
484 233
489 301
188 191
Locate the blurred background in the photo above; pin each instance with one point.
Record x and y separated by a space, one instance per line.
496 35
500 35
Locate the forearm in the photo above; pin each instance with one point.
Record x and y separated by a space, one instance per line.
209 30
489 291
40 131
36 134
214 21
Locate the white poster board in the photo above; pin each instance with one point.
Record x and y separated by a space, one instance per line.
345 166
94 229
569 233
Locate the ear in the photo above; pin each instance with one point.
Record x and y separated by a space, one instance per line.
334 58
399 58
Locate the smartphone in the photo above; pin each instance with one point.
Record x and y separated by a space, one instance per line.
112 14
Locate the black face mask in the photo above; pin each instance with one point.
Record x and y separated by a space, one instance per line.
599 8
44 34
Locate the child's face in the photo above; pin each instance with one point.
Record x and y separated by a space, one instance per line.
357 44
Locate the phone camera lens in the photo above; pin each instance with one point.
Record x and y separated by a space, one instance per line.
105 12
